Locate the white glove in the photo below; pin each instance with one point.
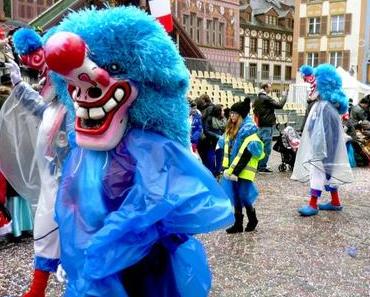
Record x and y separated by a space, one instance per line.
231 177
61 275
15 72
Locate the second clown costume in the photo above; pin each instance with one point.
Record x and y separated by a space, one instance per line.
322 157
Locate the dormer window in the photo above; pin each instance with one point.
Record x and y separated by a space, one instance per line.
271 20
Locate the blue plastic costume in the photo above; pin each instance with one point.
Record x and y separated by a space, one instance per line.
127 215
140 195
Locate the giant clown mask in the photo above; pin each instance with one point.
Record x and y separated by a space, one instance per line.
101 101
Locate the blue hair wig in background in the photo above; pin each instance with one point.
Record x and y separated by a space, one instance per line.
306 70
329 86
26 41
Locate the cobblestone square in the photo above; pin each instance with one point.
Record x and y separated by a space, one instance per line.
323 256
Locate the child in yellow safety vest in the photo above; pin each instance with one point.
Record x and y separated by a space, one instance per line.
242 151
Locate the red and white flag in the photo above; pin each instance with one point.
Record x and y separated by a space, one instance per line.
161 10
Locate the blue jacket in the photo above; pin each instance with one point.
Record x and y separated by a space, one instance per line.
196 127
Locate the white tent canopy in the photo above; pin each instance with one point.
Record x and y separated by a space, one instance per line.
352 87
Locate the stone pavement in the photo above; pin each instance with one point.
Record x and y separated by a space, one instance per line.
323 256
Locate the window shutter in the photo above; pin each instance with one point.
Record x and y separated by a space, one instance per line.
302 29
346 57
322 57
324 25
300 59
348 24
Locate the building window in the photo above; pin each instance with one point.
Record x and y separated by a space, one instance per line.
193 24
199 30
242 38
277 72
336 59
265 46
277 48
290 23
214 32
337 24
22 11
265 71
29 12
253 45
186 22
248 17
314 26
288 49
313 59
288 73
271 20
209 32
242 70
252 71
221 34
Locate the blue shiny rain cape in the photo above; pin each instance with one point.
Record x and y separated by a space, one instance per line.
116 208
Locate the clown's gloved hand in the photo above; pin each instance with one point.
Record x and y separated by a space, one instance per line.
15 72
61 275
231 177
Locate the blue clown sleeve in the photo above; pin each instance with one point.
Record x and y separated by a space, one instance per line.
171 194
256 148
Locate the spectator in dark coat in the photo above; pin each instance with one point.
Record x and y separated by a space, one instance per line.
214 128
361 112
264 110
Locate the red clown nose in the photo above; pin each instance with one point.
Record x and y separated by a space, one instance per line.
65 52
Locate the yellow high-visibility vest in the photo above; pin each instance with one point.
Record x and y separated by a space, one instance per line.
249 171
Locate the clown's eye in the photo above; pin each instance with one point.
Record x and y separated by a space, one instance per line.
114 68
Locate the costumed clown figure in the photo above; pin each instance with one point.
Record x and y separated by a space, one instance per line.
307 73
242 151
132 195
322 156
48 143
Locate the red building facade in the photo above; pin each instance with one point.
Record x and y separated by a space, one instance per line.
214 26
26 10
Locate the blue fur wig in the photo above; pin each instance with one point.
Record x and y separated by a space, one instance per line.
26 41
145 54
306 70
329 86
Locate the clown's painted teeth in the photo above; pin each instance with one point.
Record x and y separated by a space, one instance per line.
110 105
118 94
74 94
82 112
42 81
96 113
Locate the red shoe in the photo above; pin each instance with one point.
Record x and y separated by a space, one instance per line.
5 221
39 284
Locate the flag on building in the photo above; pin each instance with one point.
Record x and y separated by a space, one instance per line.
161 10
